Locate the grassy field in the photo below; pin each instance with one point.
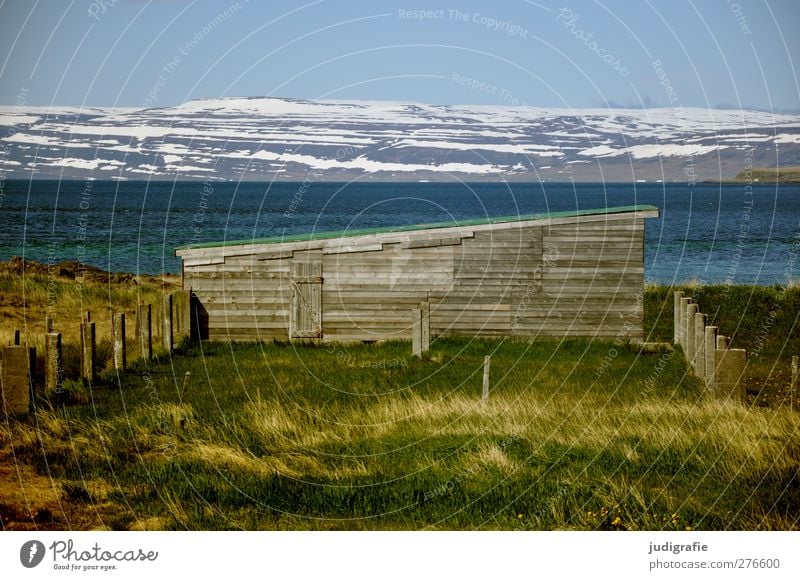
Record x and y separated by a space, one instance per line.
577 434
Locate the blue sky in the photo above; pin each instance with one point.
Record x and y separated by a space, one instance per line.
567 54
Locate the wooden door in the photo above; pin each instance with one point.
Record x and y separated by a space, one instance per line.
305 319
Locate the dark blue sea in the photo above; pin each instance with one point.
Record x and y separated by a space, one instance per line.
709 232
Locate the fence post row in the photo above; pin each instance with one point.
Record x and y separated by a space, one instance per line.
722 369
17 379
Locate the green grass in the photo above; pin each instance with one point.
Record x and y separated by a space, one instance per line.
577 434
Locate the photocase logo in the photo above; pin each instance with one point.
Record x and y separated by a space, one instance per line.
32 553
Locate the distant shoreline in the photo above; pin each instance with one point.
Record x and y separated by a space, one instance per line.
764 176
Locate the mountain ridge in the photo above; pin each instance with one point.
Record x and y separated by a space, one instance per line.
266 138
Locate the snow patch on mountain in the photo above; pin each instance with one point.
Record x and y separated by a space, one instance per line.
268 137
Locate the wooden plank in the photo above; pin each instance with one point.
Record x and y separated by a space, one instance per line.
348 298
472 326
384 261
352 249
616 325
365 322
593 280
385 311
457 306
249 266
243 276
430 243
202 261
245 302
605 270
593 227
420 286
217 325
379 293
247 336
576 333
389 273
373 336
593 253
595 238
282 311
531 313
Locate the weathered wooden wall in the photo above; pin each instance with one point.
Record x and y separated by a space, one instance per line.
579 276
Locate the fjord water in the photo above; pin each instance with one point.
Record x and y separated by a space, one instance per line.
710 232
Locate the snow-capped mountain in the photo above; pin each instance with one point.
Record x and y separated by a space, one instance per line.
269 138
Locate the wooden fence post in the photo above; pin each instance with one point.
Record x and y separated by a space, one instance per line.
684 306
144 330
487 361
425 343
88 349
731 364
118 330
17 369
710 361
167 336
416 332
185 315
54 363
194 313
722 342
17 338
793 387
691 310
185 389
676 317
49 324
699 329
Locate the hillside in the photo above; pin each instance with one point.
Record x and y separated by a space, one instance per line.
770 175
336 140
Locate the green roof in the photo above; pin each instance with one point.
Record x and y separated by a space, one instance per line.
307 237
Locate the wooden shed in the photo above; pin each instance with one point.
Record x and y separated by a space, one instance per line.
577 273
